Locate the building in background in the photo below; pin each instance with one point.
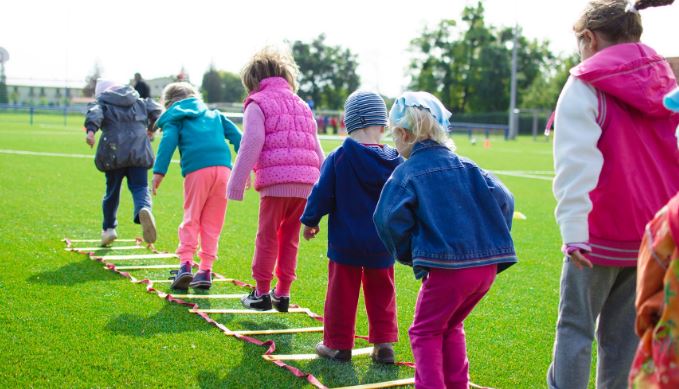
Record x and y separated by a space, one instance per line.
45 95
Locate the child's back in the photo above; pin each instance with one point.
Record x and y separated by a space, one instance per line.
357 174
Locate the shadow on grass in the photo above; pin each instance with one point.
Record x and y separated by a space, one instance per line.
170 319
73 274
334 374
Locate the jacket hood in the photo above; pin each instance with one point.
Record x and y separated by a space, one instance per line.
372 166
182 109
631 72
123 96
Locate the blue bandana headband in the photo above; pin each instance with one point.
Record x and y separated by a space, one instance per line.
422 100
672 103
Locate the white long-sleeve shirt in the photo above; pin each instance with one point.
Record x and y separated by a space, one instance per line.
577 159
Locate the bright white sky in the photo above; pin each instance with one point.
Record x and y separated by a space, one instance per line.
52 41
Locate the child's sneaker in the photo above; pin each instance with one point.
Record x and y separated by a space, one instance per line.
259 303
182 277
335 355
202 280
280 303
148 225
108 236
383 353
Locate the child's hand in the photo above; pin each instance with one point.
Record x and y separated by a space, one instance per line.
89 138
151 135
579 260
310 232
157 179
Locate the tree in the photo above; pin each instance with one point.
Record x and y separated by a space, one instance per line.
91 80
545 89
222 86
327 73
468 64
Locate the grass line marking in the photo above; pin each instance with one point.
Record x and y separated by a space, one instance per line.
385 384
142 267
208 296
248 311
99 240
279 331
306 357
521 175
103 248
47 154
134 256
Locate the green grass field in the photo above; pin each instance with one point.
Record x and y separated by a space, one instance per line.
67 322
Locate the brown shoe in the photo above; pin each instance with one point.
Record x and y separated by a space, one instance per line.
335 355
383 353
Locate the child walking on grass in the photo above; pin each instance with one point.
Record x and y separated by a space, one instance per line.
280 144
450 220
616 165
124 151
205 161
351 180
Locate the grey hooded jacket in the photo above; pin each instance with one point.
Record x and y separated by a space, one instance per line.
124 119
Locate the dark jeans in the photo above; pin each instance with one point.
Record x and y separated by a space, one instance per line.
137 182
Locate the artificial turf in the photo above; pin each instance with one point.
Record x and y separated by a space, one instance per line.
67 322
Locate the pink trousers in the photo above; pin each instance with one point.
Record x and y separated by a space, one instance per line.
204 210
341 302
437 333
277 243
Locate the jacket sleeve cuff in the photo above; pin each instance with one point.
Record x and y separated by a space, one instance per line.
574 230
309 222
235 194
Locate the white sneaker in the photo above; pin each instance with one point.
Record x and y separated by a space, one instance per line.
148 225
108 236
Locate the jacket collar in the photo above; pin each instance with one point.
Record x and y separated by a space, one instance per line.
425 144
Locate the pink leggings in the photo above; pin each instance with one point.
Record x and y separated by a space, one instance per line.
277 242
204 210
437 334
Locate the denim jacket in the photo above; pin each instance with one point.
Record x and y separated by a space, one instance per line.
439 210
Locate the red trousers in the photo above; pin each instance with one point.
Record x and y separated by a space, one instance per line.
344 285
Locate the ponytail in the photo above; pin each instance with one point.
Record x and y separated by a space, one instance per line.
643 4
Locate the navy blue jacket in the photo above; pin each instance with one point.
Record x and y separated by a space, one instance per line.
351 180
441 211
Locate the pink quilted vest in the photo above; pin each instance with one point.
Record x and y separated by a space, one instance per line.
288 155
641 162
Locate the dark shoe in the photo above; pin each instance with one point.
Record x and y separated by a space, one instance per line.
148 225
259 303
280 303
383 353
335 355
202 280
182 277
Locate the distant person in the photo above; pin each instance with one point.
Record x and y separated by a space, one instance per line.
351 180
326 123
124 151
656 364
310 102
141 86
616 165
281 145
333 125
450 221
205 161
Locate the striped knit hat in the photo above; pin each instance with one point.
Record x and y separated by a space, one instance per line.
364 109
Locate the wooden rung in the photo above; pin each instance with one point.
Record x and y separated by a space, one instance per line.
142 267
280 331
96 240
170 281
208 296
385 384
304 357
247 311
104 248
135 256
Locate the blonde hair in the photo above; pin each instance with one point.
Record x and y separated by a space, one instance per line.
617 20
270 62
177 91
421 123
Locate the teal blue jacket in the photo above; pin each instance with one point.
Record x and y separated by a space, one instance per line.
199 133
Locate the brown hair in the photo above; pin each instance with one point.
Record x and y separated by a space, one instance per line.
178 91
269 62
615 19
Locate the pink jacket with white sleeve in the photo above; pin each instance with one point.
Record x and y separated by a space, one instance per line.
615 154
